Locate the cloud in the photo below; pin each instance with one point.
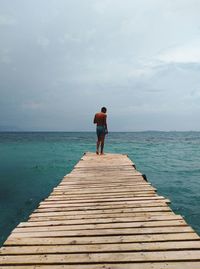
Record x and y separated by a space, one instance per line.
5 56
184 53
32 105
64 58
70 38
6 20
100 6
43 42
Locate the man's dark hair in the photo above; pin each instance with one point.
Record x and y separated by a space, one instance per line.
103 109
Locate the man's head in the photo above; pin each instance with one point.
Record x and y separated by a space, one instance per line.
103 109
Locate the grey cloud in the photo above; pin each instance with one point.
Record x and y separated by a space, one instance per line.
60 61
6 20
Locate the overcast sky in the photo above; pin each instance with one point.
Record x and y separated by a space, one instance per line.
62 60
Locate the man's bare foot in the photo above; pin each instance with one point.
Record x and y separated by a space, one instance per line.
102 153
97 152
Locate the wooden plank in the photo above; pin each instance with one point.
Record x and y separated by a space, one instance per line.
109 193
106 174
110 176
166 223
124 166
101 186
134 173
53 197
128 204
87 172
185 255
92 216
102 189
108 182
98 179
111 231
80 196
65 208
103 211
101 239
47 204
127 190
102 248
92 191
103 200
84 178
135 265
101 220
103 179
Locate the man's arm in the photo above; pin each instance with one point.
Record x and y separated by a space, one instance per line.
106 124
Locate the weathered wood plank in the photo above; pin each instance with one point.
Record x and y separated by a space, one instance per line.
103 226
184 255
111 231
116 179
101 239
102 197
102 200
103 211
93 192
126 194
72 179
135 265
94 209
155 246
101 220
92 186
65 207
92 216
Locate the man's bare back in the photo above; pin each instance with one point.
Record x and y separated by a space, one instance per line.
100 119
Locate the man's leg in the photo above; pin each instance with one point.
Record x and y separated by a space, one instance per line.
98 144
102 143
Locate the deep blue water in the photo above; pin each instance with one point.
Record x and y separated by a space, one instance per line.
31 164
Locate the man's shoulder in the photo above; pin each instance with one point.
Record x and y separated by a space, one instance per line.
100 114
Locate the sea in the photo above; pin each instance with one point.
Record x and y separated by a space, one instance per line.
33 163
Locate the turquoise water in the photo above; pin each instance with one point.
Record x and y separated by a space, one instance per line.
31 164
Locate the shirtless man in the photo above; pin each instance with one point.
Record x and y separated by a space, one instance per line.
100 120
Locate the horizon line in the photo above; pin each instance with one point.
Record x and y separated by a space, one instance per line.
62 131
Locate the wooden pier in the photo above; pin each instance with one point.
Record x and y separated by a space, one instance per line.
103 215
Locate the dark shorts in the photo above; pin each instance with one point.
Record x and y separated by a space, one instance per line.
101 130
